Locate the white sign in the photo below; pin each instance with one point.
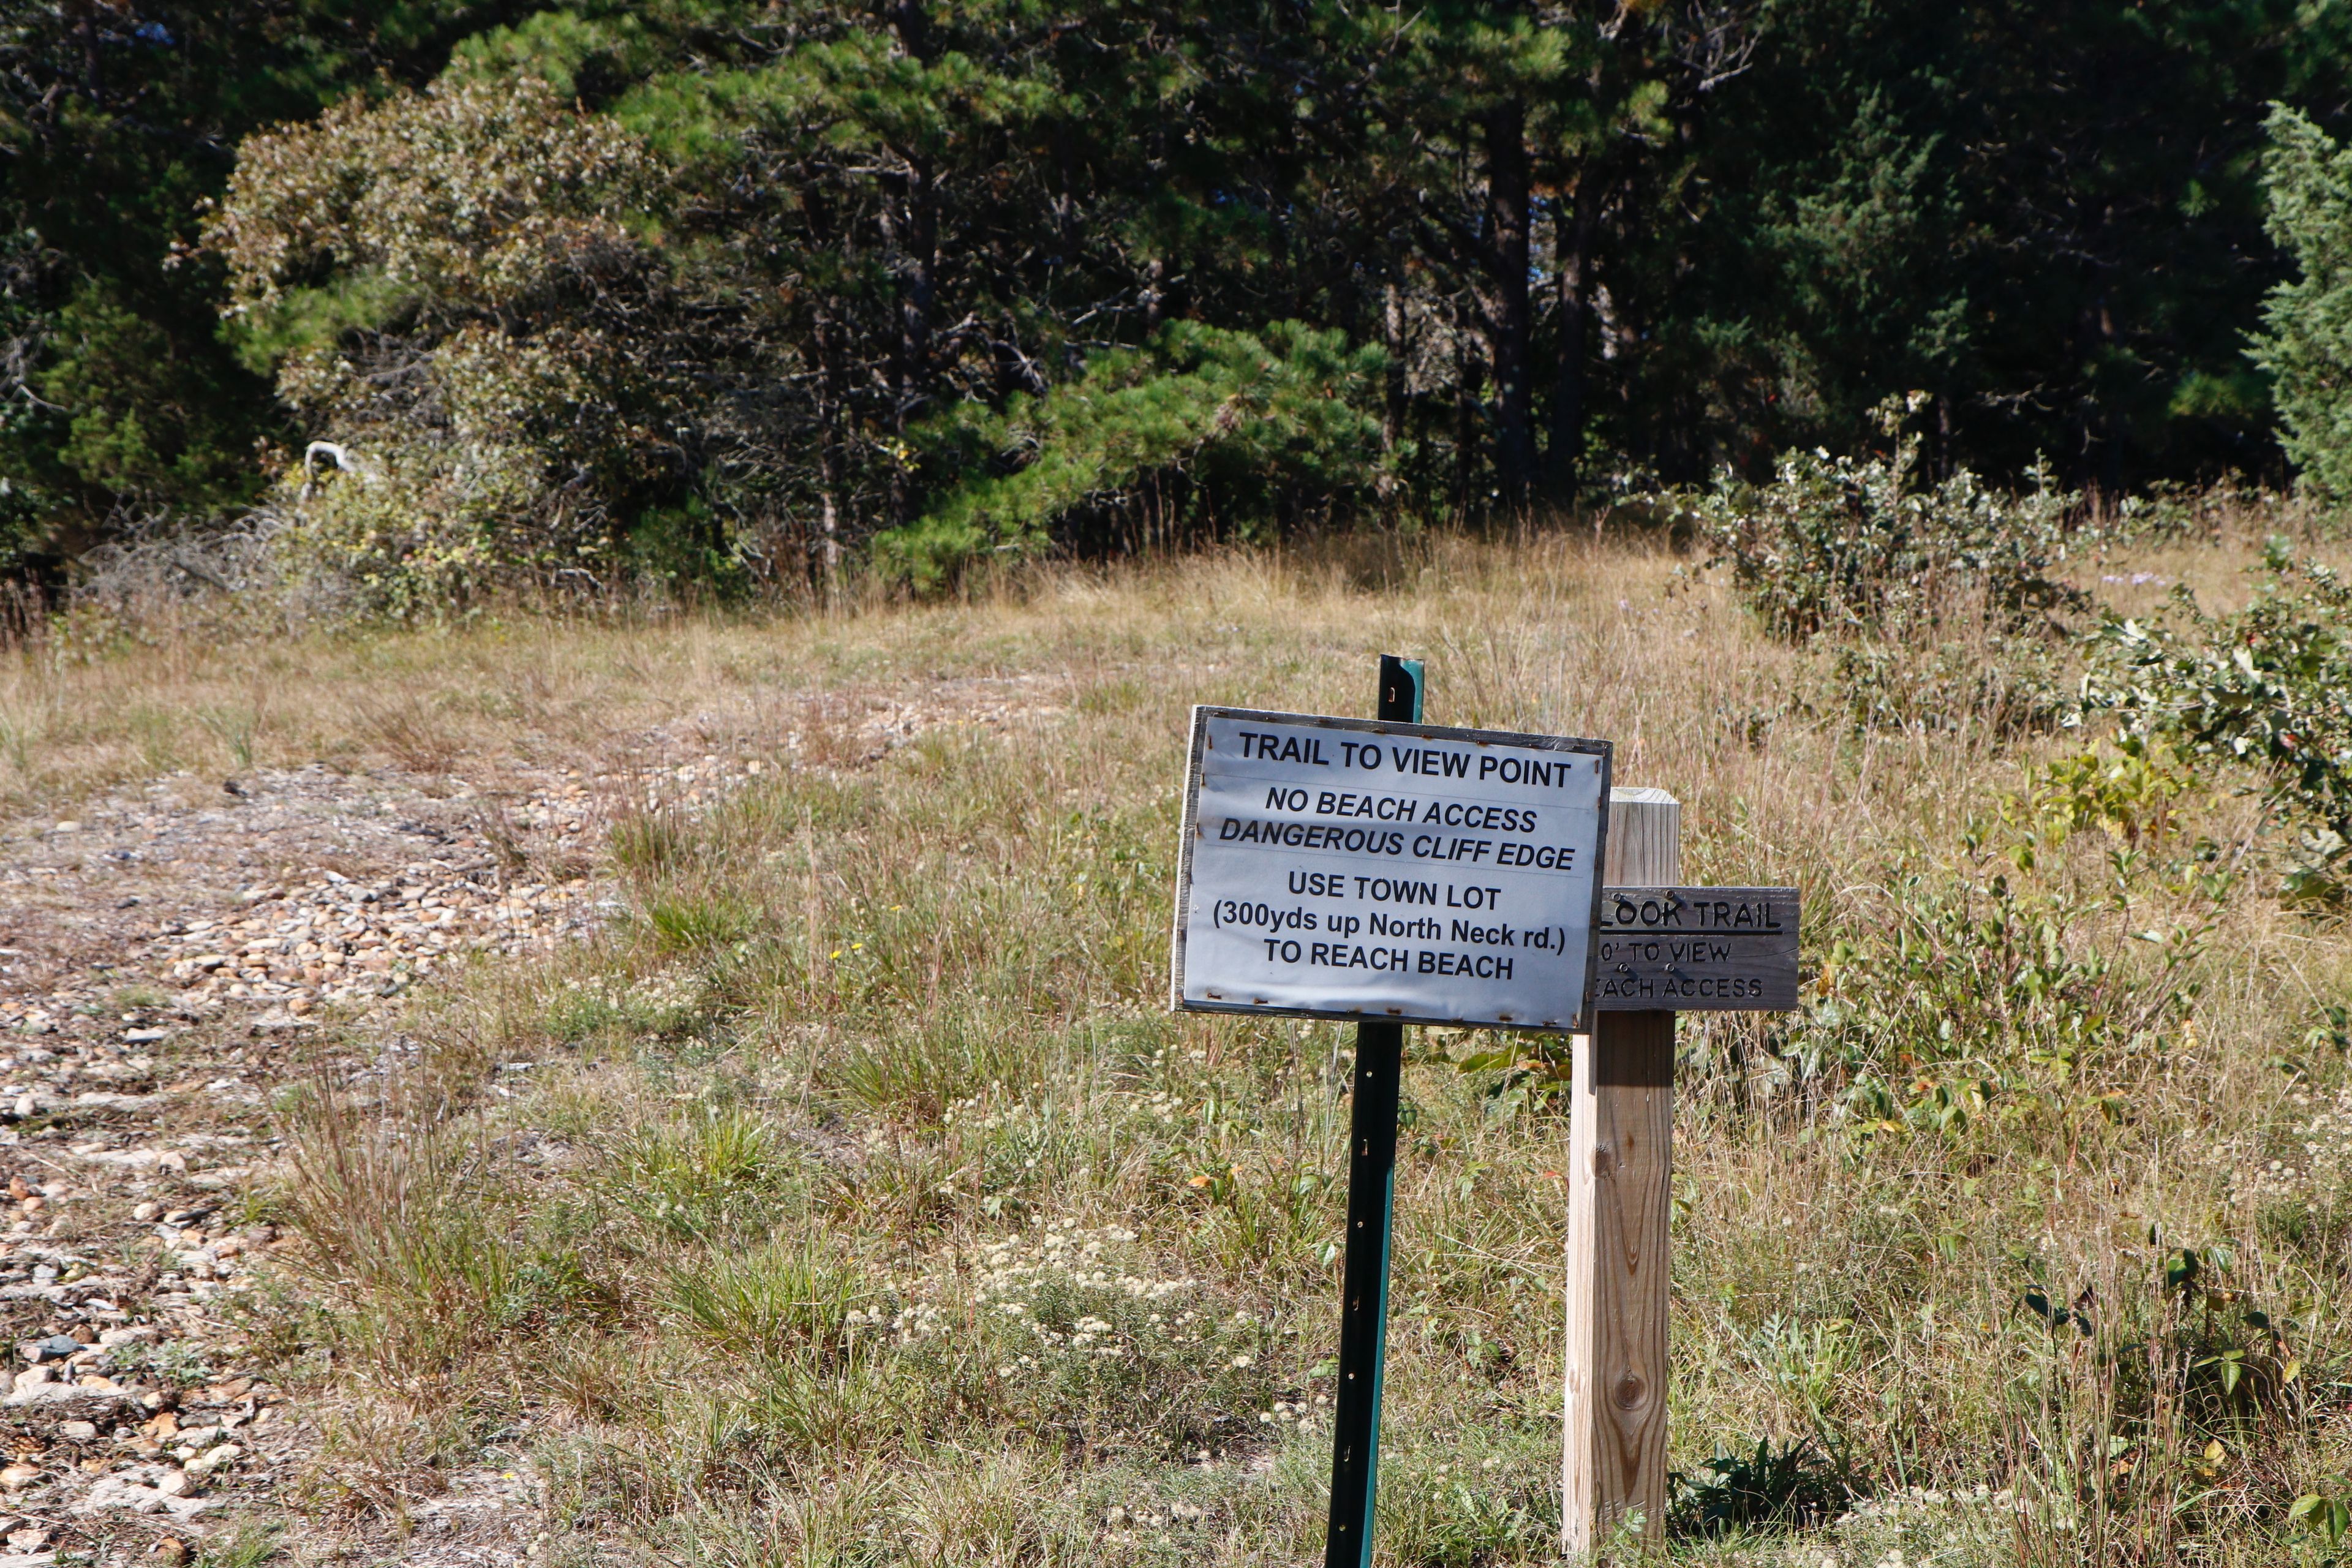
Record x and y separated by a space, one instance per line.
1354 868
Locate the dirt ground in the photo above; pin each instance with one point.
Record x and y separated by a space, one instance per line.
171 961
175 956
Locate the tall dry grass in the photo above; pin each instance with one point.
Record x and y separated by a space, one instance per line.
863 1205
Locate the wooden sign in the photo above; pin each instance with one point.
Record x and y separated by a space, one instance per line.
1357 869
1696 950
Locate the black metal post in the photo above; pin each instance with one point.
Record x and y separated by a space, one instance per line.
1364 1271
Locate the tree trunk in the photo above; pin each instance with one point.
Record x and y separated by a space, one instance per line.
1509 321
914 234
1155 297
1393 388
829 465
1469 392
918 269
1573 222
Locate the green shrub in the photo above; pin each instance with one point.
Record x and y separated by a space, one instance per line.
2270 687
1848 548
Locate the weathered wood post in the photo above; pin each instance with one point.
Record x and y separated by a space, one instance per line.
1619 1201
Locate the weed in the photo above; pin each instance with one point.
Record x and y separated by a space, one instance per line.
921 1071
690 919
251 1546
239 728
1776 1487
718 1172
405 1234
405 724
645 843
2009 684
788 1301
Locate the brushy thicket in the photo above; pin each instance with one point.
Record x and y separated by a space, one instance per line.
1943 606
2269 687
1941 602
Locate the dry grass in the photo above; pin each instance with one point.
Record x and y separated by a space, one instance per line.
879 1054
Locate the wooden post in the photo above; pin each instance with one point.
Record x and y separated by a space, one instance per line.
1364 1268
1620 1152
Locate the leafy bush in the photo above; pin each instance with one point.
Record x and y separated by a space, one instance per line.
1848 548
454 287
2308 345
2270 687
1163 442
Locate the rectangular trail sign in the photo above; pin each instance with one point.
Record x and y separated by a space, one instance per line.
1358 868
1696 950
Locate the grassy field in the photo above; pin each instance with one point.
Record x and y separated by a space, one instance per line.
853 1199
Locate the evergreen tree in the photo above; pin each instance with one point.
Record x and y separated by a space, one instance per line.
2308 345
855 237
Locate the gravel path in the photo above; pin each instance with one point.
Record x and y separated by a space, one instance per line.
169 960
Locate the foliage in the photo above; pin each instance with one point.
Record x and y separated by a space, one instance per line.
450 287
1850 547
1663 239
1154 443
1782 1486
25 327
117 124
2270 686
134 419
2307 344
1910 232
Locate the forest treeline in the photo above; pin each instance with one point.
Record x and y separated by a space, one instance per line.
744 290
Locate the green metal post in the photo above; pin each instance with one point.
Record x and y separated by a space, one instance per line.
1364 1273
